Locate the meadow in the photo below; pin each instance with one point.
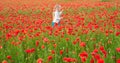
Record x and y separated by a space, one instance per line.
88 33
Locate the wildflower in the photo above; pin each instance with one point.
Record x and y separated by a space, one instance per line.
95 51
45 39
118 61
50 58
37 43
39 60
50 32
24 31
117 33
4 61
83 59
83 56
85 31
55 45
1 47
21 38
92 60
16 32
97 56
67 39
106 34
77 39
15 43
118 49
49 28
82 44
70 30
69 59
8 36
101 48
9 57
61 52
53 52
42 47
37 34
100 61
30 50
111 31
74 42
103 51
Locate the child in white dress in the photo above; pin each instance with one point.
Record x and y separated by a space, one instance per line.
56 15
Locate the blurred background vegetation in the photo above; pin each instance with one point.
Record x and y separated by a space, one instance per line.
108 0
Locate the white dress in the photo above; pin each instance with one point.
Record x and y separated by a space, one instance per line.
56 16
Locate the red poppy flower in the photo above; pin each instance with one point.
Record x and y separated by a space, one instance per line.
83 54
37 43
53 52
24 31
118 61
8 36
111 31
97 56
49 28
117 33
77 39
74 42
70 30
92 60
42 47
16 32
50 58
100 61
9 57
1 47
37 34
4 61
45 39
30 50
55 45
69 59
61 52
82 44
95 50
67 39
104 52
101 48
83 59
118 49
39 60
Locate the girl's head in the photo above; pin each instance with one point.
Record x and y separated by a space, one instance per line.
57 7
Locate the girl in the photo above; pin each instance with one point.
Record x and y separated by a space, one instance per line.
56 15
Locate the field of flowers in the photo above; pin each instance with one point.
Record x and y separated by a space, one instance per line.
89 32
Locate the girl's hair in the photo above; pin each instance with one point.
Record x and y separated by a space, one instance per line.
57 7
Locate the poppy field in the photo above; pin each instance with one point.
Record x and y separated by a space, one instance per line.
88 33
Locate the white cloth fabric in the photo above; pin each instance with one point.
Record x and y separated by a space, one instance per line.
56 16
